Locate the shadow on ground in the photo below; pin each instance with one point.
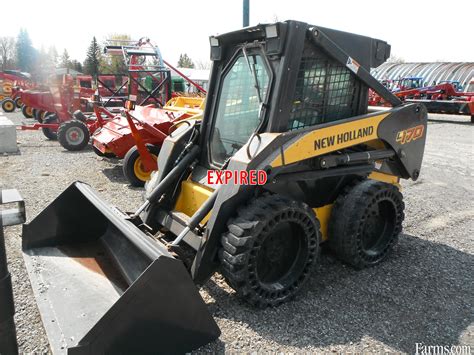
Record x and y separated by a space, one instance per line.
115 174
423 293
87 149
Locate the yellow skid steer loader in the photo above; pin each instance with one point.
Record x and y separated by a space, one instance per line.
287 156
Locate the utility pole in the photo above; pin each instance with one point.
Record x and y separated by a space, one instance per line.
246 12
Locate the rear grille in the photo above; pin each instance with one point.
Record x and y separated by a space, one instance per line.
325 92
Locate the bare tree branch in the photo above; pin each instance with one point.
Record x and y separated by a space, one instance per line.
7 52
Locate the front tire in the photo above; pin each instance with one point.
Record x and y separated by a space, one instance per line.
270 249
366 220
8 105
133 168
73 135
38 115
50 133
18 102
27 111
79 115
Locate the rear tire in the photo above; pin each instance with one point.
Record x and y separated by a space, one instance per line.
48 132
365 222
18 102
133 168
73 135
27 111
270 249
8 105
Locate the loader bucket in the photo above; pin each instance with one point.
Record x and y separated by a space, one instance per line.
104 286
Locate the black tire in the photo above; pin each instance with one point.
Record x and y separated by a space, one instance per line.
78 115
27 112
131 164
472 118
73 135
48 132
18 102
43 115
270 249
38 114
8 105
365 222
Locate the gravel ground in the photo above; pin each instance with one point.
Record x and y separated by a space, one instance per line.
424 293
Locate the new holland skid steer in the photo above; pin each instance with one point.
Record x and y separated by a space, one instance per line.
286 100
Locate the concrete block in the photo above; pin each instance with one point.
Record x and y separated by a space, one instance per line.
7 136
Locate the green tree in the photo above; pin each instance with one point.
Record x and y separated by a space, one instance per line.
65 61
25 53
76 65
93 58
185 62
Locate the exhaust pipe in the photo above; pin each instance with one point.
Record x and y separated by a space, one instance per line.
104 286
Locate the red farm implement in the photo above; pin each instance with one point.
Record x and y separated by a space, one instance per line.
11 83
53 108
68 104
137 136
441 98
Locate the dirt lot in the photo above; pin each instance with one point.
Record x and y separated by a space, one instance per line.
424 293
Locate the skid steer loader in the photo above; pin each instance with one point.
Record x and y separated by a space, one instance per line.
286 100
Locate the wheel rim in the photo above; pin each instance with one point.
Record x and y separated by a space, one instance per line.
19 102
140 170
9 106
279 254
29 111
378 228
74 135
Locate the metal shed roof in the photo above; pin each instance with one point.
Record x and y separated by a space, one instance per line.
430 72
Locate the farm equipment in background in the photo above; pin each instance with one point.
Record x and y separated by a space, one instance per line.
68 106
54 107
331 174
441 98
137 136
406 83
11 82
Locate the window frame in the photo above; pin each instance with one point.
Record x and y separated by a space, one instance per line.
252 49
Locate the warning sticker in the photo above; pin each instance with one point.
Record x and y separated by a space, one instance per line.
352 65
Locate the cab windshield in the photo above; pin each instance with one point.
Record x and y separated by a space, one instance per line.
237 112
